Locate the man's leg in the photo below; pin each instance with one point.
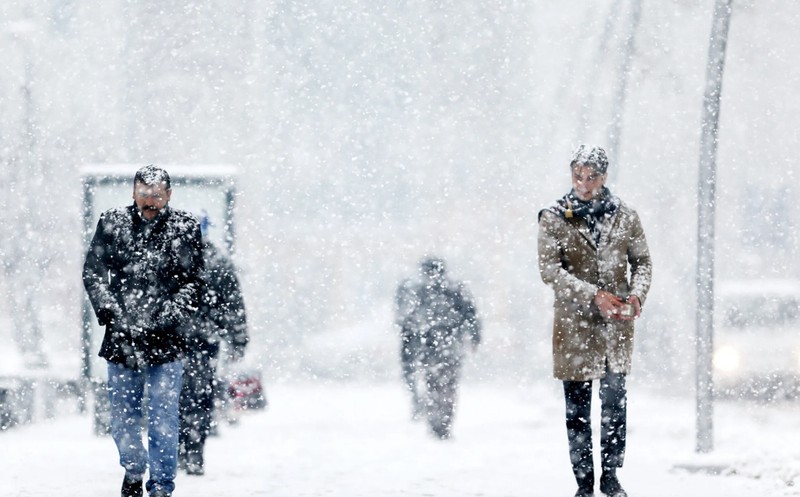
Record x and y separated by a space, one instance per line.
189 417
164 387
410 364
578 400
125 392
197 407
442 384
613 396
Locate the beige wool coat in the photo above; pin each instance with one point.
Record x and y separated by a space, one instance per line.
575 267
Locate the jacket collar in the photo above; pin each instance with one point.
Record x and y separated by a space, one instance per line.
564 209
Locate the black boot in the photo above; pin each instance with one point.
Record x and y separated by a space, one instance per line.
609 484
585 478
131 487
194 463
181 458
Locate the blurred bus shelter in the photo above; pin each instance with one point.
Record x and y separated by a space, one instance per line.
206 190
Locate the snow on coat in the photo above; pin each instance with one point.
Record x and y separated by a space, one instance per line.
435 316
147 277
221 314
576 267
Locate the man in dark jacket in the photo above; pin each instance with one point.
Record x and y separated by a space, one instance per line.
143 276
435 314
221 316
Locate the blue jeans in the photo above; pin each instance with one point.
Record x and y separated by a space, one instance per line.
126 388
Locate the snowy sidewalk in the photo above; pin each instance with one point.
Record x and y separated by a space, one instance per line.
356 440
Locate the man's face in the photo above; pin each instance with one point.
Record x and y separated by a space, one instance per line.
587 182
150 199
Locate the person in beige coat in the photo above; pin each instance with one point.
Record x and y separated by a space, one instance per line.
593 254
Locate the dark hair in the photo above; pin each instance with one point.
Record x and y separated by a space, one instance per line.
592 156
152 175
432 265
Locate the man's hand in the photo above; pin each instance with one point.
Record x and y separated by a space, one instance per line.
105 317
609 304
637 306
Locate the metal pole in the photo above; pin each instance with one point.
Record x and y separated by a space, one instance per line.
615 126
705 224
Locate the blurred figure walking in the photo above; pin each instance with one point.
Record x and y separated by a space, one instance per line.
221 317
435 315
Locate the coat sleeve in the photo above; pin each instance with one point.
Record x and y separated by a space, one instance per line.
471 320
551 268
639 260
96 269
228 312
405 304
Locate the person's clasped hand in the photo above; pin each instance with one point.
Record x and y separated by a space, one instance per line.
105 317
612 307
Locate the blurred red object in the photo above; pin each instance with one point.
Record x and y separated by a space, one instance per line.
246 390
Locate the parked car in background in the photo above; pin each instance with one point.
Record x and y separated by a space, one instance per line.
757 340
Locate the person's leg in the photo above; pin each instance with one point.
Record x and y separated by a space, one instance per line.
408 359
164 388
613 396
192 406
578 400
125 392
201 408
443 385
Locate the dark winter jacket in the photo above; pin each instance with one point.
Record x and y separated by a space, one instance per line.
435 317
221 314
144 280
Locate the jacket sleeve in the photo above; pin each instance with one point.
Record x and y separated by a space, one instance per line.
405 304
229 313
96 271
639 260
471 324
565 284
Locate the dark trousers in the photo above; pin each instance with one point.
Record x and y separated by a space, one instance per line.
197 402
613 398
409 350
441 381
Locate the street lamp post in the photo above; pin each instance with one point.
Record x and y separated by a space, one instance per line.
706 199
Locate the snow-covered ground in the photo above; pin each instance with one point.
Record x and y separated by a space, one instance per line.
356 439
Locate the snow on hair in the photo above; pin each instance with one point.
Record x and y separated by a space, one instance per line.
590 155
152 175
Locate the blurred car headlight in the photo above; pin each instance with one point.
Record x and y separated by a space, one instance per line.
727 359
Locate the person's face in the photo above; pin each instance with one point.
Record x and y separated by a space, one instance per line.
587 182
150 199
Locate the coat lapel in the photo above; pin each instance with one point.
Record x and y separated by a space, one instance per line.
582 228
607 227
